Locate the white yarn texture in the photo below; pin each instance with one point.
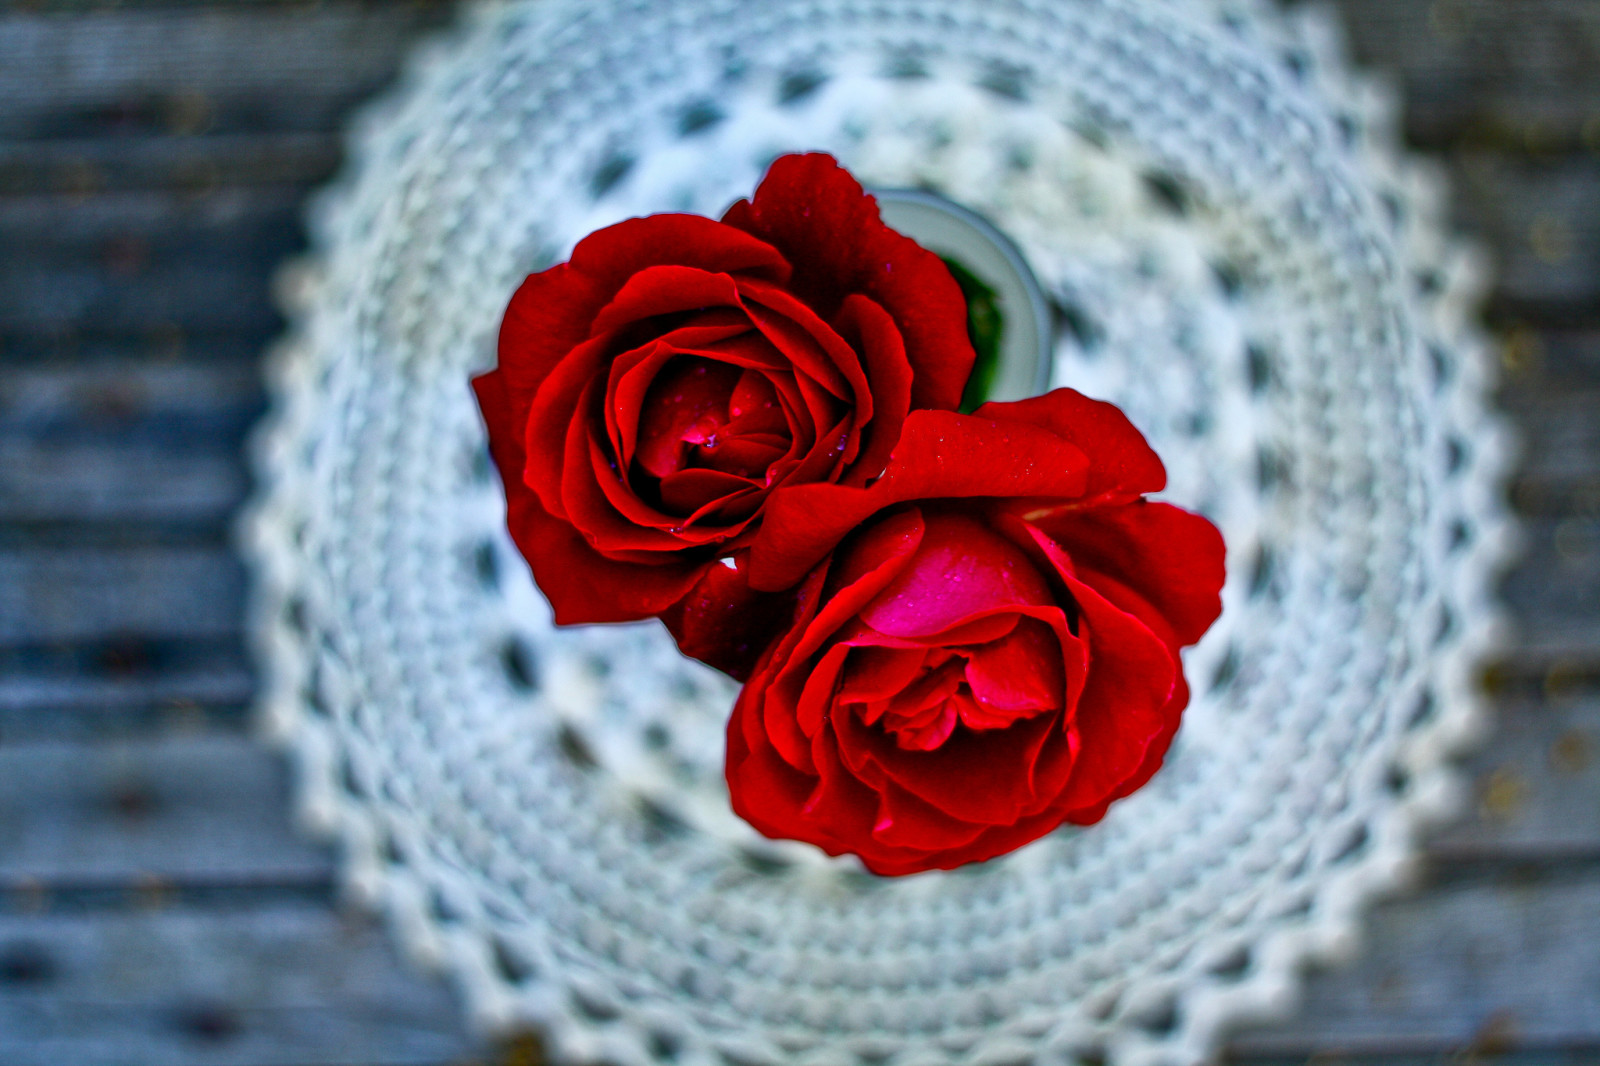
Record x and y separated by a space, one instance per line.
1238 256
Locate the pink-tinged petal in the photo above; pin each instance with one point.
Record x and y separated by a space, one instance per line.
610 256
1122 710
686 391
665 290
1170 557
754 407
610 515
1020 674
940 455
819 216
868 329
960 569
1122 465
725 623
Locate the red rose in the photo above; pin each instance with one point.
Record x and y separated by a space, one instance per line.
992 649
655 389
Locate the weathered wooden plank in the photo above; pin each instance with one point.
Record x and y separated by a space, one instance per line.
288 67
124 441
1553 590
279 983
1524 75
193 293
109 163
131 227
1471 68
1437 966
201 808
296 983
1541 222
145 262
1537 784
1558 475
97 594
84 705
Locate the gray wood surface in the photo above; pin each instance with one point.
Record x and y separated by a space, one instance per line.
156 905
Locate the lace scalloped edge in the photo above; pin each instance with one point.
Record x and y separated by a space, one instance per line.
1206 1011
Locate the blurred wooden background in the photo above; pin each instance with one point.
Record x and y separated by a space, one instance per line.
156 908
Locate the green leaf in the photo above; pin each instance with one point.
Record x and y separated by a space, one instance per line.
985 325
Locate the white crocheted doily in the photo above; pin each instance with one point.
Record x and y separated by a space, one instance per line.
1237 255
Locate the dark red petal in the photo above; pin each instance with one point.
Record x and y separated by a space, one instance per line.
1122 465
813 346
612 255
904 826
1022 673
1170 557
754 405
556 407
819 216
663 290
940 455
602 504
872 333
685 391
547 317
877 673
690 492
975 777
581 585
725 623
1122 709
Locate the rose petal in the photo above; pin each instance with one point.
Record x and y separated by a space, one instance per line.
581 585
960 569
684 392
1022 673
868 328
940 455
1173 559
664 290
811 345
1122 464
695 493
1123 707
877 673
974 777
610 256
725 623
819 216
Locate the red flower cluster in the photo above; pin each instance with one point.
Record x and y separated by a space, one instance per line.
959 631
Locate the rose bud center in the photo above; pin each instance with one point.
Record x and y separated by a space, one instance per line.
921 696
712 435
